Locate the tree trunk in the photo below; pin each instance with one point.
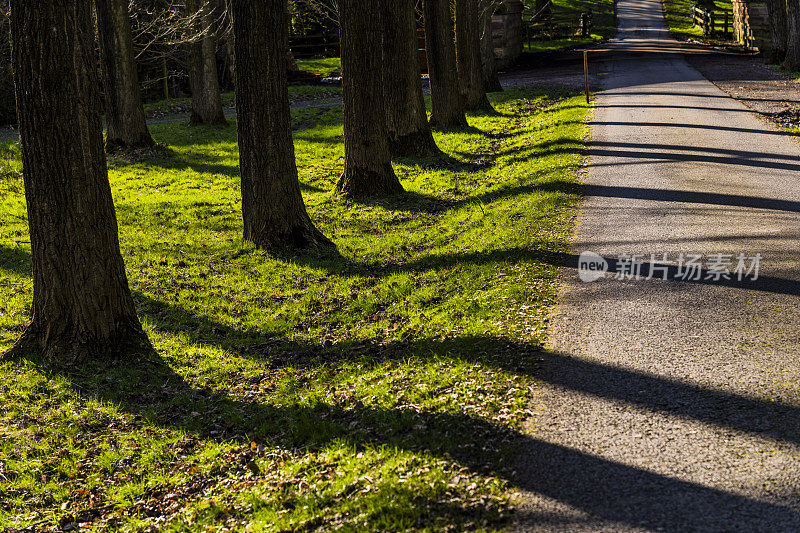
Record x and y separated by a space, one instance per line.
273 211
468 55
777 30
407 121
367 161
792 60
203 77
230 49
491 82
447 103
82 306
126 126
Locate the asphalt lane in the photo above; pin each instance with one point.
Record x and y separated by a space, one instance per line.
673 405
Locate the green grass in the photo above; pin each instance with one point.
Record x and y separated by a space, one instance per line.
679 18
603 23
321 66
381 389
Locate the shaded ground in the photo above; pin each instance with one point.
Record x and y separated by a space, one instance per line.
774 94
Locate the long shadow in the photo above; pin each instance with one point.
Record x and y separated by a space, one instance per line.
15 260
645 153
430 203
765 131
663 106
738 154
679 196
691 95
608 490
660 394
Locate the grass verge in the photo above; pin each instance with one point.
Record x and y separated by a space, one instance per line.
379 389
603 23
679 18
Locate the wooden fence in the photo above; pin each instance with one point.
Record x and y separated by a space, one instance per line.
547 27
315 45
713 23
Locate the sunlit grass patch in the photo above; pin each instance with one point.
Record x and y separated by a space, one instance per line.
379 389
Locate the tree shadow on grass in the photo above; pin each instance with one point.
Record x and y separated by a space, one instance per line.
15 259
609 491
728 410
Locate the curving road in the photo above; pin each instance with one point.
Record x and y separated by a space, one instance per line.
674 405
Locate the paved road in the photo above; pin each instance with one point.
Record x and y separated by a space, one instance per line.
671 405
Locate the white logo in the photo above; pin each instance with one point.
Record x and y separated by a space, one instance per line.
591 267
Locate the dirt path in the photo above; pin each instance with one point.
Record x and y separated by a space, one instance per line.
674 405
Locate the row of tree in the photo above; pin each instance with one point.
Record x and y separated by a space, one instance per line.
82 305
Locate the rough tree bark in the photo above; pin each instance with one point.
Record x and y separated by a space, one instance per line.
406 118
777 30
468 55
367 161
491 82
203 77
447 103
82 306
792 59
273 211
126 125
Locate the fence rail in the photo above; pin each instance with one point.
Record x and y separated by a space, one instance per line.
550 27
314 45
710 21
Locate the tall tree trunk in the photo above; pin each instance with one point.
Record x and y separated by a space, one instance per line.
777 30
273 211
230 50
126 126
203 77
367 161
792 60
407 121
82 306
491 82
447 103
468 54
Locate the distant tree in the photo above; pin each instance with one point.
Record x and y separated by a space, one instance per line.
468 54
407 121
792 59
203 77
82 306
367 160
272 206
777 30
491 81
126 125
447 103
